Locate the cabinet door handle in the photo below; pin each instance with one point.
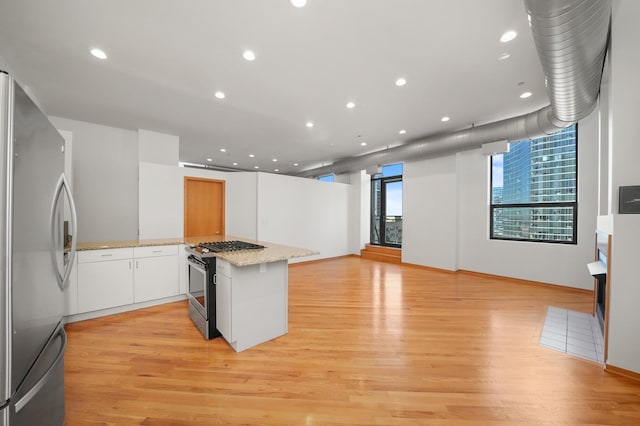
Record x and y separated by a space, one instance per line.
156 251
137 264
107 255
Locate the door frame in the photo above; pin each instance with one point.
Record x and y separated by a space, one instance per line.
187 179
383 210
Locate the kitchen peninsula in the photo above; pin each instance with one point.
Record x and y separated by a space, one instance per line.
251 295
239 289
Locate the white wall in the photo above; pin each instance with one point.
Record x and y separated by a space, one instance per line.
304 213
624 154
562 264
359 211
5 66
159 215
158 148
242 204
105 166
429 213
624 313
160 211
361 220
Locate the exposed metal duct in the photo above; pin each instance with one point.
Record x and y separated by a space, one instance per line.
571 38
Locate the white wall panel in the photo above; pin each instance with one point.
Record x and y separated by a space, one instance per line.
160 213
624 110
105 167
429 234
304 213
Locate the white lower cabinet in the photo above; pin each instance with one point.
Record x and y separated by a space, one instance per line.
156 273
105 279
251 302
223 305
112 278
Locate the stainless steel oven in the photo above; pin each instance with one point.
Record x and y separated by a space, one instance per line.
198 272
202 294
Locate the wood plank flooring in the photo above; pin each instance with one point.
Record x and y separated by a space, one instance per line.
369 343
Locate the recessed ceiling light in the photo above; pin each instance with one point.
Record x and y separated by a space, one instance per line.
504 56
251 155
223 150
295 164
249 55
220 95
445 119
256 167
298 3
276 170
235 164
401 81
363 144
525 95
274 160
351 105
402 132
209 159
508 36
309 124
98 53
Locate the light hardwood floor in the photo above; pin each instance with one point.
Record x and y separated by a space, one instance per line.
369 344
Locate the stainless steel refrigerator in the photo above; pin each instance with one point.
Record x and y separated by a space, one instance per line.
34 264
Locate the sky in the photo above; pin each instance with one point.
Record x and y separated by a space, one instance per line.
394 199
496 171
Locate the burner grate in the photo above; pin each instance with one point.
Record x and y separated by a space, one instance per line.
223 246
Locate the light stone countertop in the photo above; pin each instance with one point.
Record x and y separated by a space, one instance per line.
101 245
271 253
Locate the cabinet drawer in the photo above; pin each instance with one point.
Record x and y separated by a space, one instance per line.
223 267
153 251
87 256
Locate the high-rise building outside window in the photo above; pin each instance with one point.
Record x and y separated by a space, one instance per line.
534 190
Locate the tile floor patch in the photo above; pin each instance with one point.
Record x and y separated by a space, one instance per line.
575 333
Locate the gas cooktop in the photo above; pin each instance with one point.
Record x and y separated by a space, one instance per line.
223 246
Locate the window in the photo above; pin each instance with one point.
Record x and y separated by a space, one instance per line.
327 178
534 190
386 206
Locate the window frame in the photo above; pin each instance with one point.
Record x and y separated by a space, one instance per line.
383 199
558 204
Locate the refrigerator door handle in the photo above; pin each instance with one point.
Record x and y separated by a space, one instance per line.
43 380
63 184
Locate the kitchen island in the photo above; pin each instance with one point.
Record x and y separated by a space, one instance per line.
251 292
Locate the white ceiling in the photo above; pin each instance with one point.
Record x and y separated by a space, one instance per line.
166 59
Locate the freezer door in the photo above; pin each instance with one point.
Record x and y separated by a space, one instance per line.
38 301
40 398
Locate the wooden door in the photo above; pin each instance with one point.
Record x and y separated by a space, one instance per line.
203 207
